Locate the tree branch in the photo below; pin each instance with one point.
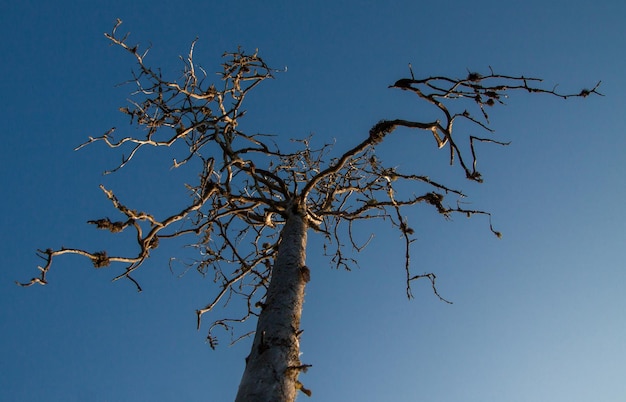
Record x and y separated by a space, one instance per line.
248 187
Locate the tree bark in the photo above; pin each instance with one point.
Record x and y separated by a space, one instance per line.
273 366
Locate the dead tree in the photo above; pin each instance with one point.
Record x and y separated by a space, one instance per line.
253 204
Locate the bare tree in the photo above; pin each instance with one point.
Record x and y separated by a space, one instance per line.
253 204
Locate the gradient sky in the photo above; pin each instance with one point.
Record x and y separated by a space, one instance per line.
539 315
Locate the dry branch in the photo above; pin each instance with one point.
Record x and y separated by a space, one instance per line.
248 187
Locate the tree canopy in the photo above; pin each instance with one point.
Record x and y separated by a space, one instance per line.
249 187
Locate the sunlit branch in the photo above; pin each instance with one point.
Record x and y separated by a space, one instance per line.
248 187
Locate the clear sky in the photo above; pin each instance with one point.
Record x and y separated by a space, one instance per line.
539 315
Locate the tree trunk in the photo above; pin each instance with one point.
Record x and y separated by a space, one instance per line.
273 366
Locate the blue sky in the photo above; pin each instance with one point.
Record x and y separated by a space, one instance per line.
537 315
